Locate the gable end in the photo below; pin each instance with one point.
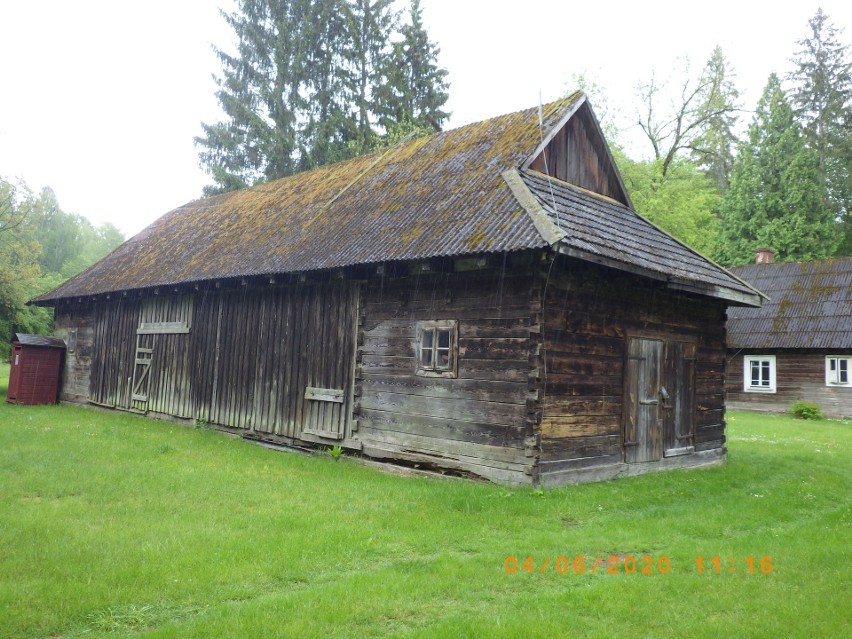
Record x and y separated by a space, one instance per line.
576 152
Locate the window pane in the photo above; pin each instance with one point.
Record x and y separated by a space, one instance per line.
755 373
843 377
764 381
425 357
443 338
832 364
427 338
443 358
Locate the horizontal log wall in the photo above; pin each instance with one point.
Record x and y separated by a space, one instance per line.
479 421
800 376
589 312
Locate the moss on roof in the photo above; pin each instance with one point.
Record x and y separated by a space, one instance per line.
441 195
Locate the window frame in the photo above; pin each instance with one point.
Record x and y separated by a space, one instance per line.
829 373
433 328
748 387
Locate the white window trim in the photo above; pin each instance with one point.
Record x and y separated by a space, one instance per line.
829 375
435 371
773 373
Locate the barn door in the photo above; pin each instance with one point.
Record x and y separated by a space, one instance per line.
160 379
659 399
643 411
679 398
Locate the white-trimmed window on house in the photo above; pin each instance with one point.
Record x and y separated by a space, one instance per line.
759 373
437 348
837 370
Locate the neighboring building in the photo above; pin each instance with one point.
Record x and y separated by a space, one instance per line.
482 300
798 346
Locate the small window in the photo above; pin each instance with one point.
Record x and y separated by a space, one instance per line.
436 348
837 370
759 373
71 340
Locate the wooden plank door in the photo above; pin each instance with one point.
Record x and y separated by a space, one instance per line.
643 440
678 398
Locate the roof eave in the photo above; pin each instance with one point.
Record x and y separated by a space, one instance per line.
708 290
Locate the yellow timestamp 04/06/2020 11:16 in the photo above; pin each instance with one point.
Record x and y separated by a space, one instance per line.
628 564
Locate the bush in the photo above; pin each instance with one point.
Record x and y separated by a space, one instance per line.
806 410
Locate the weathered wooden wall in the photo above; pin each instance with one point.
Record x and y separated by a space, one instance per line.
589 313
244 363
800 376
74 385
539 390
577 155
483 420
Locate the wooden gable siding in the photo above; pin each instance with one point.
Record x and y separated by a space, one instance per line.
578 155
589 314
800 376
244 363
481 421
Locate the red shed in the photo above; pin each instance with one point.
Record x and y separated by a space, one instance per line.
36 366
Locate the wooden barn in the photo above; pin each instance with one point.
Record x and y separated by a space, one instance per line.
482 300
798 346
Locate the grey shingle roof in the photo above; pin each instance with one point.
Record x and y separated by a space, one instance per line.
600 229
810 306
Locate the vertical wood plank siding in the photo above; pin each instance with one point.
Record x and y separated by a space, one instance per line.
800 377
577 155
245 362
588 315
476 422
113 351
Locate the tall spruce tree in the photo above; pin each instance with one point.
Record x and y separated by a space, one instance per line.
259 92
308 85
822 96
415 90
370 24
776 197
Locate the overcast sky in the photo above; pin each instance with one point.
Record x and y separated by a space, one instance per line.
101 99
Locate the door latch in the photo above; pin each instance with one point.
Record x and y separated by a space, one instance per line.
665 395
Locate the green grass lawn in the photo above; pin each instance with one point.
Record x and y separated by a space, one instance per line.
114 525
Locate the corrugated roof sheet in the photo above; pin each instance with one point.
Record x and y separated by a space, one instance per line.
598 226
444 195
429 197
810 306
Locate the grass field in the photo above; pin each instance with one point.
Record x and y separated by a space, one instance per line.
118 526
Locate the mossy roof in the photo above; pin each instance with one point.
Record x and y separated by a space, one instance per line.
441 195
810 306
446 195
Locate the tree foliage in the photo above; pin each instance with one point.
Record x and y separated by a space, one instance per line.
41 246
698 118
682 202
822 96
776 198
314 82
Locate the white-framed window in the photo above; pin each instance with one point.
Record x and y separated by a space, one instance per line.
437 348
837 370
759 373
